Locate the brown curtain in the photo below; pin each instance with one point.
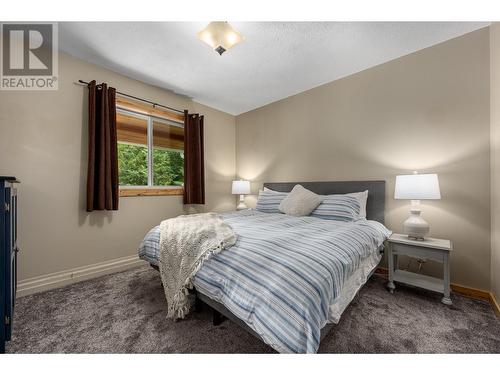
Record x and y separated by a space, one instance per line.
194 163
102 172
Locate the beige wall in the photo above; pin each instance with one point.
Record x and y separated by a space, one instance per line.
495 157
428 111
43 142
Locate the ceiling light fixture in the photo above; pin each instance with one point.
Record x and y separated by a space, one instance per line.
220 36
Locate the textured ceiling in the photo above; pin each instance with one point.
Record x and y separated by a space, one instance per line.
276 60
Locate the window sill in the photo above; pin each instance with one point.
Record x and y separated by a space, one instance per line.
150 192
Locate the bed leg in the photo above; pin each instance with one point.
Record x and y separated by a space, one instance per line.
198 305
218 318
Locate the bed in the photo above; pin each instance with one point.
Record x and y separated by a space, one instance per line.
287 279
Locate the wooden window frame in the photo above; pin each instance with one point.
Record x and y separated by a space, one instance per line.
149 114
150 192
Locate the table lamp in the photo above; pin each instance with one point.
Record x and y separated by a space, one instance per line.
241 187
416 187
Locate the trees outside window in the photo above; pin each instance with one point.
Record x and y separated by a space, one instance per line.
150 150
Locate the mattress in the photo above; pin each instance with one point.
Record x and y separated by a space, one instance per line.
287 277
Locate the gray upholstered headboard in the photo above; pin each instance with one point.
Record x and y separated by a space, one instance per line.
375 206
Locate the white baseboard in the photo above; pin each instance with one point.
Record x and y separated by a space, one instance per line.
59 279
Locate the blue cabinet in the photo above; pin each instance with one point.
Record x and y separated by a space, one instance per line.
8 256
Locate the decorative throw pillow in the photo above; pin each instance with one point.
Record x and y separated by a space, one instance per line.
362 198
338 207
269 201
300 202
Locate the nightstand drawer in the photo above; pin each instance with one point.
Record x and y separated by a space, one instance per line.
417 252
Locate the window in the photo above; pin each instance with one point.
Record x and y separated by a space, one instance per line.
150 150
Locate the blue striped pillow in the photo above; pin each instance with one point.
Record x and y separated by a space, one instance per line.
338 207
269 201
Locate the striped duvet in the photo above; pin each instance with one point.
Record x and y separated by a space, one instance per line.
283 272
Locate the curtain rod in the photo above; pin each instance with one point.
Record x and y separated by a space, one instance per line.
140 99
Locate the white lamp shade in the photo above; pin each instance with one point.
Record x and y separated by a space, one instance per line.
241 187
417 186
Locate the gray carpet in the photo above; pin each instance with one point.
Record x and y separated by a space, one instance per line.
125 313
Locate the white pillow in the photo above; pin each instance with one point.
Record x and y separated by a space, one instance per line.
362 197
300 202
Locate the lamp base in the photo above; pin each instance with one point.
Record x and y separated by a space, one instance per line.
415 226
241 205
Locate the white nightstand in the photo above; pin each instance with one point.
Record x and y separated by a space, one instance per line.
433 249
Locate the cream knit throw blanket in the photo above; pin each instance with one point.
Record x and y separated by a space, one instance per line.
185 243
